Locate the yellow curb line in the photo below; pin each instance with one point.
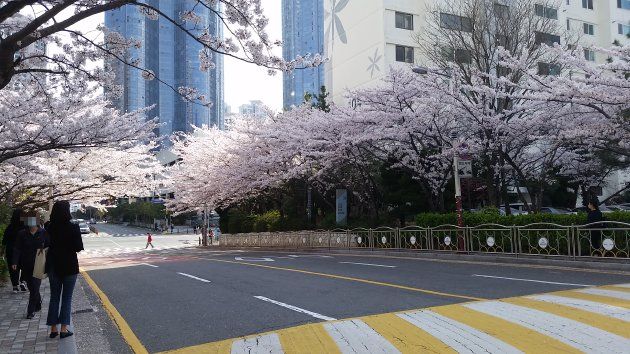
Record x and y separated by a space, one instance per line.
342 277
122 325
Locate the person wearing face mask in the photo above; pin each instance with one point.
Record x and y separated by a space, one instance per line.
27 243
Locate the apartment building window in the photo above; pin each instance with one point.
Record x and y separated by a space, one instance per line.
568 2
548 69
623 29
623 4
589 29
404 54
501 11
568 24
589 54
587 4
460 56
404 21
454 22
546 11
546 38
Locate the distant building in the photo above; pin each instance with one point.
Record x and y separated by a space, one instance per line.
254 108
174 57
302 34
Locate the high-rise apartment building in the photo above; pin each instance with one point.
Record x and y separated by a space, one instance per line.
174 57
302 33
365 38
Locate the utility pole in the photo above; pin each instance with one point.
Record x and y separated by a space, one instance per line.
204 226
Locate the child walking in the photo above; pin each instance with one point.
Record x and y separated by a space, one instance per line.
149 240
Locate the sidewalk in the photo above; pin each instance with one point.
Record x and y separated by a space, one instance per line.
19 335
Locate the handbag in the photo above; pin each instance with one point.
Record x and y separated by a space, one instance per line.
39 270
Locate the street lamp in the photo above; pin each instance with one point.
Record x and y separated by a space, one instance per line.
420 70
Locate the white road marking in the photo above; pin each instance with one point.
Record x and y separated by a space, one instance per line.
370 264
576 334
194 277
623 285
591 306
297 309
529 280
253 259
462 338
267 344
355 336
116 243
605 292
150 265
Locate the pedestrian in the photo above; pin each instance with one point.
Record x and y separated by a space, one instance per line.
172 228
62 267
595 216
28 242
149 240
211 234
8 241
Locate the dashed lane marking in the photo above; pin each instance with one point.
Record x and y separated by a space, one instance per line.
295 308
530 324
149 265
370 264
194 277
528 280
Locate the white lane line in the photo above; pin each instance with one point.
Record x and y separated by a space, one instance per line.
529 280
583 337
116 243
605 292
297 309
461 337
370 264
268 344
355 336
591 306
149 265
194 277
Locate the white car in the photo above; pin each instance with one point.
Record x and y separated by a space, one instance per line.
84 227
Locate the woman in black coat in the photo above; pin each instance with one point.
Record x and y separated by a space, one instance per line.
62 266
27 243
8 241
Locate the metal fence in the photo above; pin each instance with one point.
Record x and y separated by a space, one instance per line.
602 239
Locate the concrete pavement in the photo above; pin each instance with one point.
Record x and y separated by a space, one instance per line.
227 298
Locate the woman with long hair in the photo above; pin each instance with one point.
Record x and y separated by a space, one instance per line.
62 267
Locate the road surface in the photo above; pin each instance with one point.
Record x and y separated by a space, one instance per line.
212 300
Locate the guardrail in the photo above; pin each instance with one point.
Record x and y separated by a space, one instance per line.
602 239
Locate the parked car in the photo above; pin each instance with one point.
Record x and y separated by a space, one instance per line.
512 211
84 227
619 207
556 210
602 208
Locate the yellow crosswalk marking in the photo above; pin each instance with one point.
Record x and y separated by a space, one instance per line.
518 336
596 298
615 288
307 339
404 336
609 324
222 347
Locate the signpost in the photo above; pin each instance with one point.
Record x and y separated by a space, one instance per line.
342 207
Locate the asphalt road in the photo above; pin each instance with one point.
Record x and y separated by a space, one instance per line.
192 296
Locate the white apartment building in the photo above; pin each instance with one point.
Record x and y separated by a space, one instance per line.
254 108
364 38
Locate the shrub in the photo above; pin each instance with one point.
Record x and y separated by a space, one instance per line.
475 219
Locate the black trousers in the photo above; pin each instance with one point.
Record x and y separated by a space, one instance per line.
34 298
13 274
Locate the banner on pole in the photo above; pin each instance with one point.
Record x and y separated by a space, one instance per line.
342 207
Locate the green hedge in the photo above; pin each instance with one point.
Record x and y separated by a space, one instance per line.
474 219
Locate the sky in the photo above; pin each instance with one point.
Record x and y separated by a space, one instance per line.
243 81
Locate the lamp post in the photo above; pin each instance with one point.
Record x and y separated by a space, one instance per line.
458 187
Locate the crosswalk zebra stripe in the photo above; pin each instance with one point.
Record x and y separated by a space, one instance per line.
591 306
460 337
355 336
605 292
578 335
